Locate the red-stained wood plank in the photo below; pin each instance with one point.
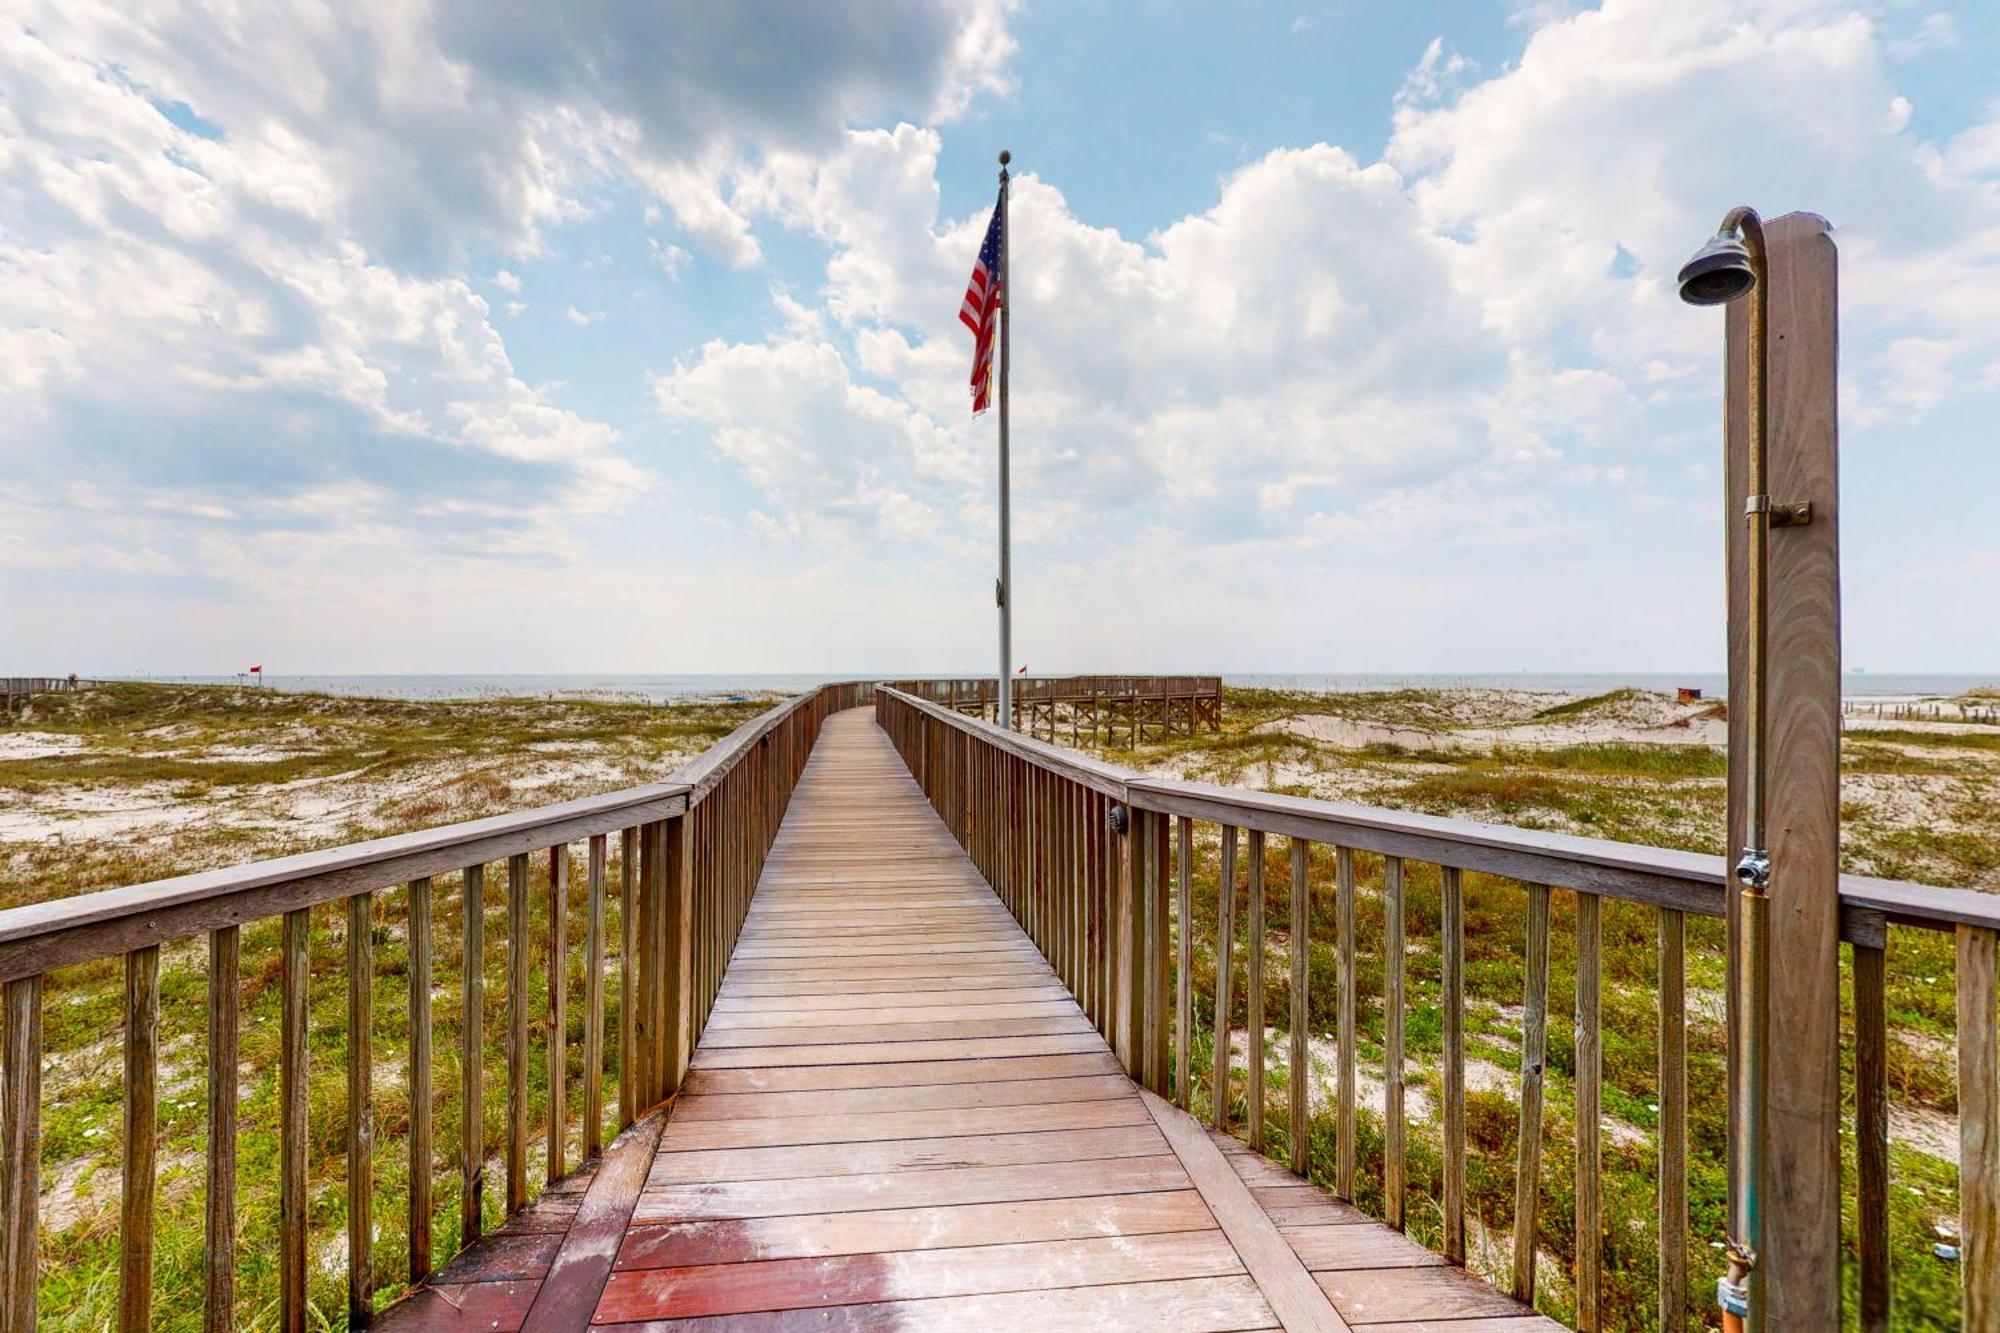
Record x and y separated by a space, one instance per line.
475 1307
514 1257
1394 1295
691 1243
575 1280
870 1126
1297 1301
881 1130
910 1189
798 1284
1191 1305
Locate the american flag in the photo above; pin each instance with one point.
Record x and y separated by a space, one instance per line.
981 306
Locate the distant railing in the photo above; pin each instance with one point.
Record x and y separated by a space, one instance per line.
1107 708
689 853
1097 862
16 691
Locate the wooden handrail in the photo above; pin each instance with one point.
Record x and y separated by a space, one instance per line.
1686 881
1079 851
691 850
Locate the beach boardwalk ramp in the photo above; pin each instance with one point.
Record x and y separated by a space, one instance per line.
898 1118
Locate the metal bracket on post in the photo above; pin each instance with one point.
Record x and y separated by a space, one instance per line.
1793 514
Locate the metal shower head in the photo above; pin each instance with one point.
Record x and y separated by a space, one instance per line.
1719 272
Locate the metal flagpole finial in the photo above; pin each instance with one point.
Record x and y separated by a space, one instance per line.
1005 158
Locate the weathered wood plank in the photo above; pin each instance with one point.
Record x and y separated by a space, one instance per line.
1344 1112
628 943
472 1062
1673 1143
20 1155
1225 969
1452 946
557 1052
593 1002
219 1236
1801 1193
1534 1042
575 1279
360 1109
678 1245
1871 1135
1253 955
517 1032
1295 1298
1393 1188
1299 1075
142 1068
421 1197
1184 963
1589 1108
294 1002
1979 1126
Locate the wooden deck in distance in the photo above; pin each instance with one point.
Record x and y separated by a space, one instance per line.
898 1118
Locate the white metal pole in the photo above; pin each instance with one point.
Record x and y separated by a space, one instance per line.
1005 588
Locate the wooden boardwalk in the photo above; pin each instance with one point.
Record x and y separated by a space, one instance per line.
898 1118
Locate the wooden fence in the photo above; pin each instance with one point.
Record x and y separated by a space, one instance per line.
16 691
689 853
1097 863
1101 708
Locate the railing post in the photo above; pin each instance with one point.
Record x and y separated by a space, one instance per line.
1128 949
1797 1278
678 911
20 1154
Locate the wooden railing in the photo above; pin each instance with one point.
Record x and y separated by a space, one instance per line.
688 852
17 691
1098 864
1128 708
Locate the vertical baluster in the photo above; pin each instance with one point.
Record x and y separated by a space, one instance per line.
1673 1144
20 1154
1300 1073
1451 924
628 1007
1253 943
472 1056
1589 1203
419 1074
294 999
360 1108
142 1064
1534 1042
1978 1128
677 927
558 979
593 1004
219 1250
1393 1188
1343 1170
1183 957
1159 948
517 1032
1871 1134
1225 968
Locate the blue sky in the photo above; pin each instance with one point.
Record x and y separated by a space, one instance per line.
456 336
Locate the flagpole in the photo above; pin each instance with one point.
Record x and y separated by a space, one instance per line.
1004 589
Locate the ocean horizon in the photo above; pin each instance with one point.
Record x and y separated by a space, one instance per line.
664 687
